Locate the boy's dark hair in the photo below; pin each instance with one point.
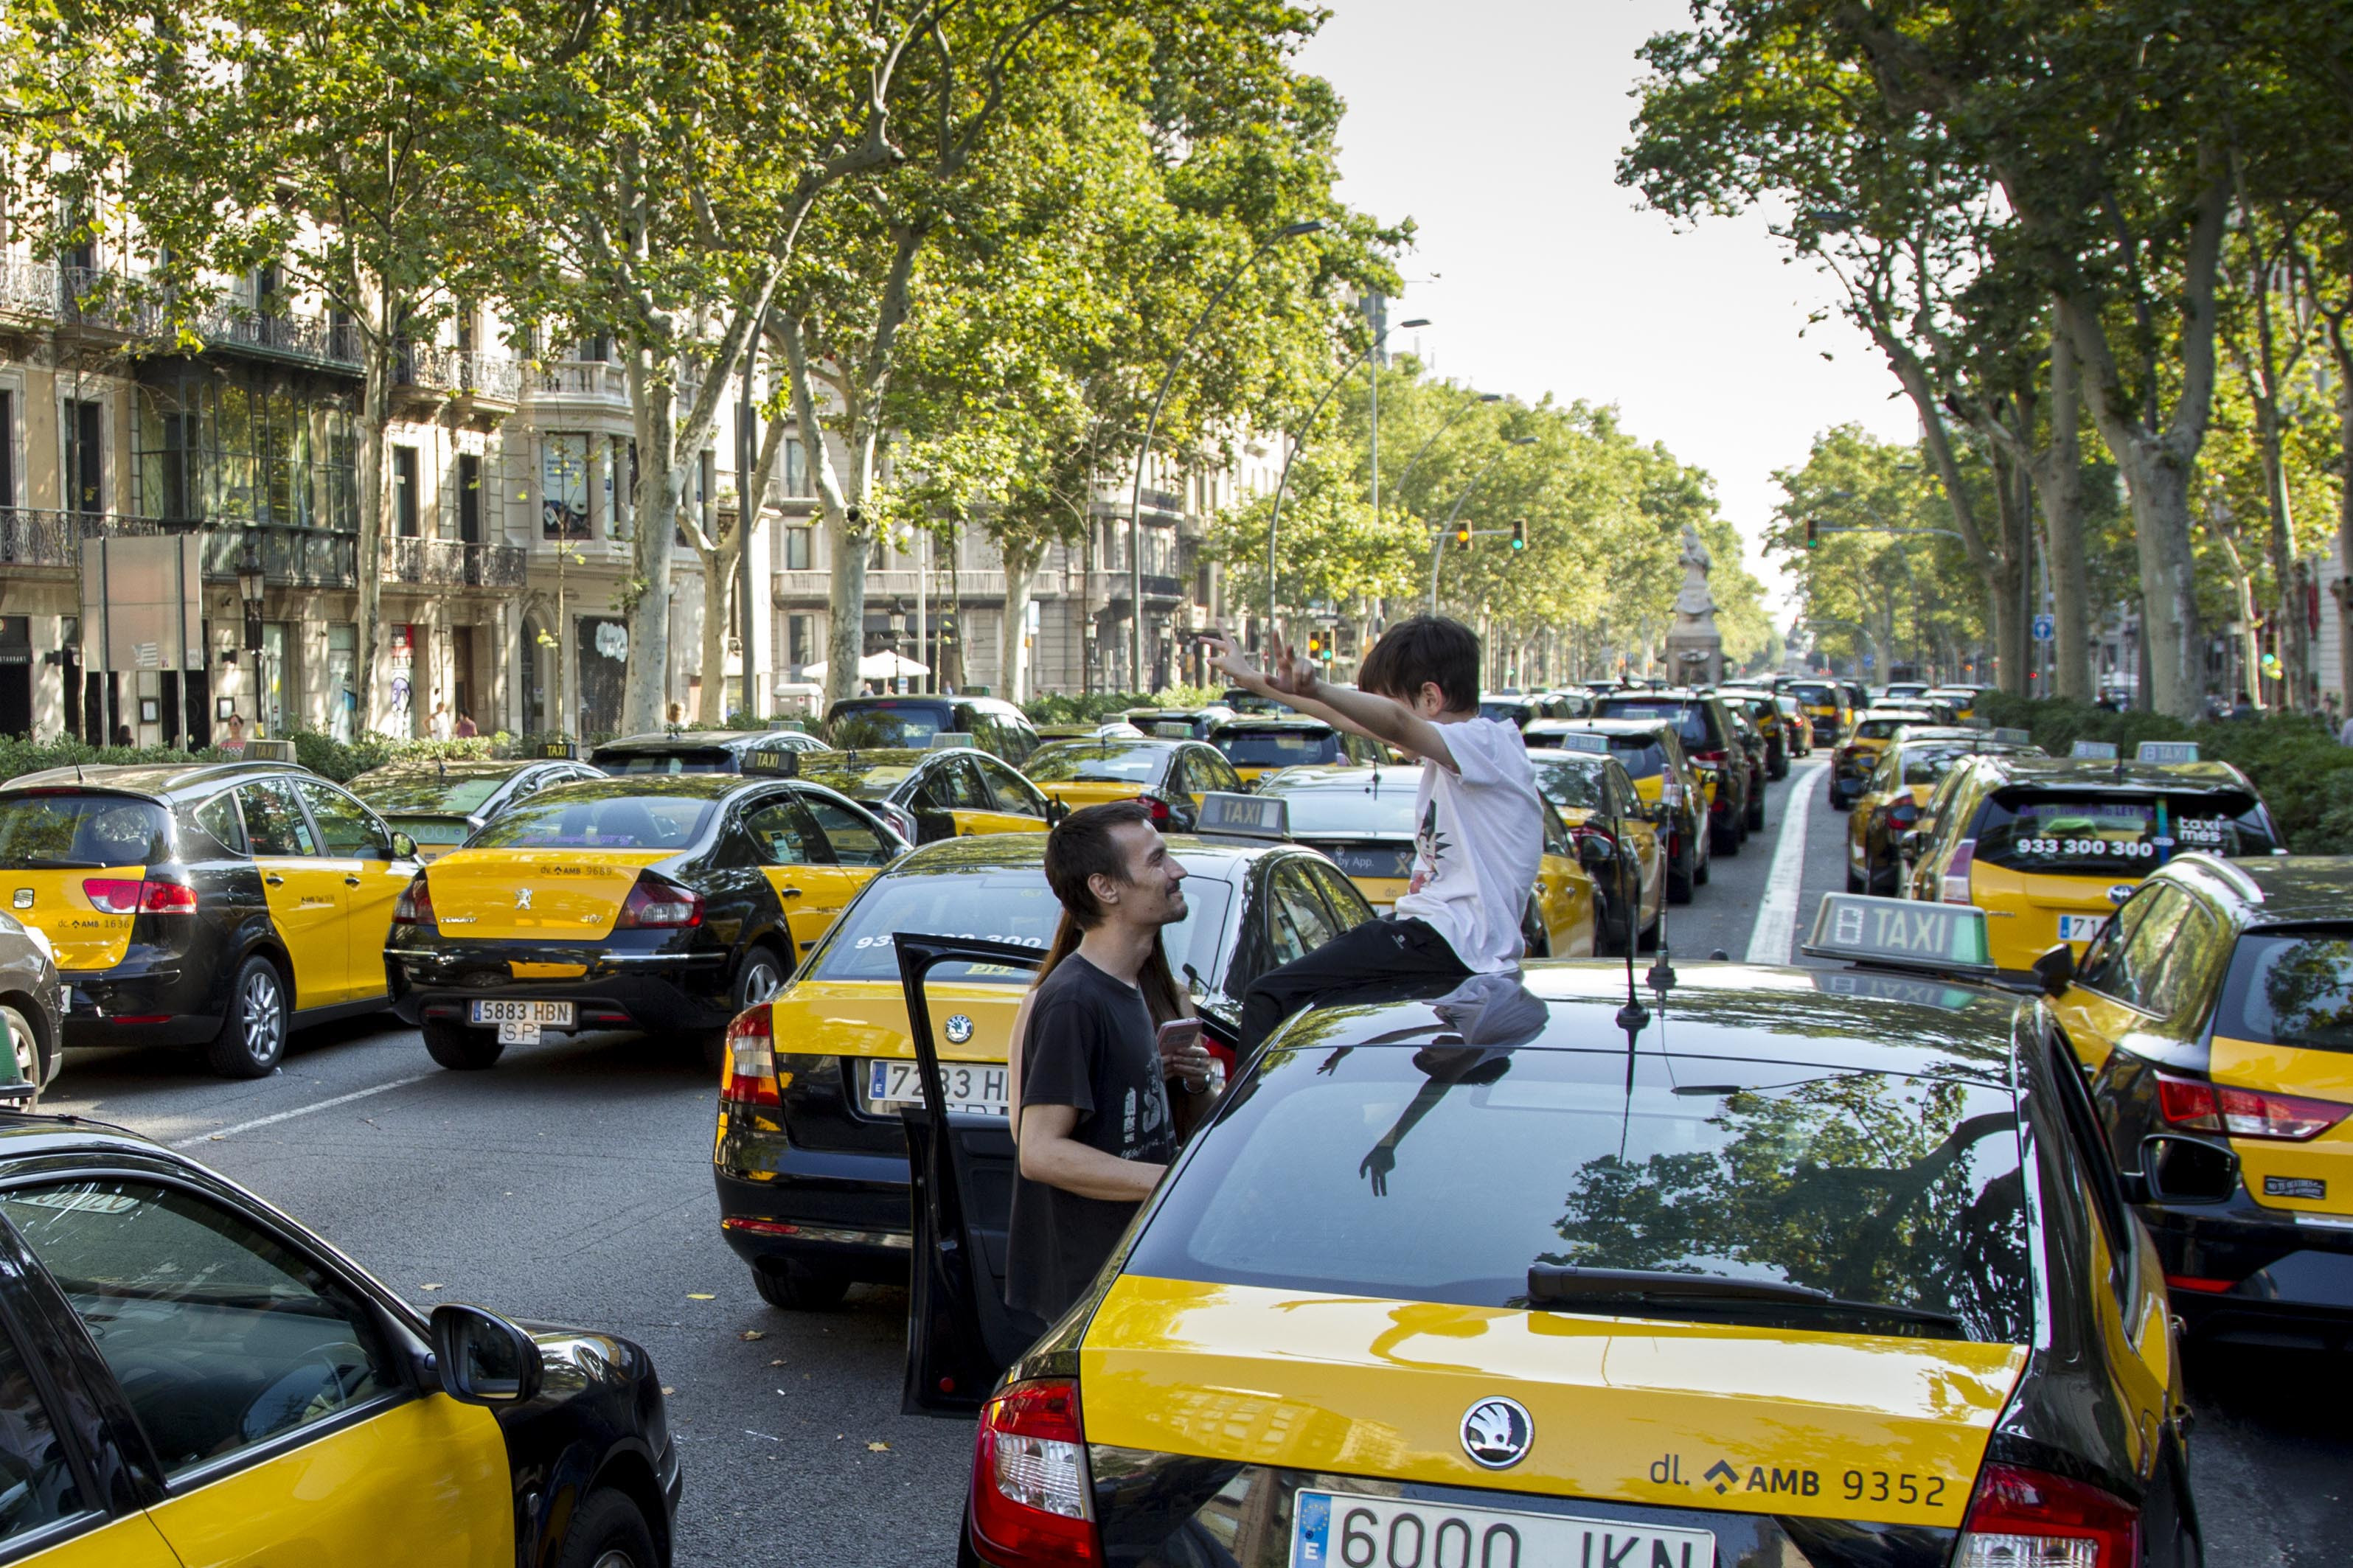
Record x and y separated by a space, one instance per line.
1427 651
1082 846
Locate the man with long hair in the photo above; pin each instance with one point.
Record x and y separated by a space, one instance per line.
1093 1118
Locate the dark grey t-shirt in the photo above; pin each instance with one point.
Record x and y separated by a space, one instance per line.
1091 1048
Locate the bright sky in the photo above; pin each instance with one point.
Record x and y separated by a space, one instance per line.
1496 125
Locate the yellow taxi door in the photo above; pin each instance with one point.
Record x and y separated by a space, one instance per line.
793 853
855 848
284 1424
967 797
1015 804
305 890
2120 974
359 846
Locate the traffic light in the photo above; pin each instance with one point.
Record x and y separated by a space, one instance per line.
1519 533
1462 537
1315 648
1813 535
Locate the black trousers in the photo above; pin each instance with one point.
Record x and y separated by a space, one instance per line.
1391 957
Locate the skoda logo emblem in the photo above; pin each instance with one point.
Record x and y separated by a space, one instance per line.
2119 893
1496 1433
522 898
959 1028
24 898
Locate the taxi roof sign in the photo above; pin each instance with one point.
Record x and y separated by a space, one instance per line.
2167 752
1244 816
1901 933
2093 750
1578 740
258 750
773 761
566 751
2013 737
948 741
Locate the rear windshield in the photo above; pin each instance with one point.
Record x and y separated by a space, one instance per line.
1572 786
1277 748
78 832
460 797
859 781
598 822
869 728
1095 761
2093 834
2290 988
1323 811
702 760
1924 765
1511 713
996 905
1642 759
1442 1174
1814 694
1690 719
1880 729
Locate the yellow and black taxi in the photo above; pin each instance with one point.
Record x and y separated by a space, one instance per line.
667 903
1180 723
866 723
438 804
1732 778
1665 781
2215 1016
1897 792
1852 761
948 788
32 1012
692 751
1615 835
1827 708
218 906
1797 730
1777 1266
191 1376
1257 744
809 1161
1170 776
1961 700
2050 847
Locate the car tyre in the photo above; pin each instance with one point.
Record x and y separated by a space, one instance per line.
1724 840
799 1286
30 1064
1855 884
459 1048
252 1035
1756 808
607 1532
1838 798
1704 867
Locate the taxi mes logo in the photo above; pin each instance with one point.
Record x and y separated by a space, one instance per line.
1927 929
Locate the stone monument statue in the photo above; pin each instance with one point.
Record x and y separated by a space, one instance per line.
1695 648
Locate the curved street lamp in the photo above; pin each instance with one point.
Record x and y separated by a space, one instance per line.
1437 550
1275 520
1152 427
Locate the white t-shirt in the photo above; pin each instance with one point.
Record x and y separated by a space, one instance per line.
1476 852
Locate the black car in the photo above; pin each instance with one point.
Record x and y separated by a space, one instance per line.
438 804
693 751
936 793
1765 712
189 1375
1716 748
865 723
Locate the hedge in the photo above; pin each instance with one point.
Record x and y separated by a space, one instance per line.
2293 761
1073 708
314 749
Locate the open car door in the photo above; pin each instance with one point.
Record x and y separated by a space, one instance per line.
961 1336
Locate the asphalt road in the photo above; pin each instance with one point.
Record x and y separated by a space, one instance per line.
572 1183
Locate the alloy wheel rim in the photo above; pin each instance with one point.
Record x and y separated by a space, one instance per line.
20 1042
615 1557
760 985
262 1017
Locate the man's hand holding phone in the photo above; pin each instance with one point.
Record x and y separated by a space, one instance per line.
1183 1057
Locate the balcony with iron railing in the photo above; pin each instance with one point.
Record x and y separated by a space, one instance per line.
470 373
452 563
594 381
101 298
34 539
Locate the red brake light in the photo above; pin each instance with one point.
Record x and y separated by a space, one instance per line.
1956 871
2206 1106
134 896
112 895
2023 1515
656 902
1714 756
750 1059
1030 1506
415 906
1157 807
160 897
1904 813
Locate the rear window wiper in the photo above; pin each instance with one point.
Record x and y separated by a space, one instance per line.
1554 1284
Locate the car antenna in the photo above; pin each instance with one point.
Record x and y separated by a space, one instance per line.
1633 1015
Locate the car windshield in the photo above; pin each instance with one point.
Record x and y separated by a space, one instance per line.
1880 729
1277 748
2090 832
869 729
428 793
598 822
1926 765
1098 762
74 832
1511 710
1688 718
1444 1173
699 760
996 903
1353 808
2290 988
858 779
1814 694
1642 759
1571 786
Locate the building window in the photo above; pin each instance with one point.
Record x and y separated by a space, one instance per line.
469 498
245 446
404 491
800 640
799 549
564 485
83 430
796 469
7 447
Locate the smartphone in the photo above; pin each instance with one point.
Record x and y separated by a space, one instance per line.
1178 1034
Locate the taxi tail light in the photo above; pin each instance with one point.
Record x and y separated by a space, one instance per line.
2032 1518
752 1058
658 903
1031 1505
1956 871
414 905
1156 808
138 896
2204 1107
901 821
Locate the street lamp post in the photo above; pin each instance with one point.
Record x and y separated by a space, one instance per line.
1274 521
1437 550
1152 427
252 583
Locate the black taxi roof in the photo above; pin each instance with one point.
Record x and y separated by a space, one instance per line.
1005 851
2274 889
456 768
1268 722
700 786
1305 776
2015 770
691 741
1631 728
158 781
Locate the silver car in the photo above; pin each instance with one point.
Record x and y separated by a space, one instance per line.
32 1008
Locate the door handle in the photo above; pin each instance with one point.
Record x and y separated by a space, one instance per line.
790 893
274 880
350 881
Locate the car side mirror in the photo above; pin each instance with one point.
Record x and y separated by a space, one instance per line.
1595 851
1056 809
2178 1169
404 847
2054 968
482 1359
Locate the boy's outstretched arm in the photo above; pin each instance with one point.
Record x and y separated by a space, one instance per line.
1293 684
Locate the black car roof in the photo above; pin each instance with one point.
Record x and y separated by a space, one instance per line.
157 781
685 741
456 768
2079 774
1013 850
2274 889
704 786
1268 722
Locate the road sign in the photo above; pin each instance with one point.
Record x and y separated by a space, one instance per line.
2045 628
1866 659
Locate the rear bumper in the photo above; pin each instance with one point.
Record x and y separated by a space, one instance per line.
174 1002
846 1211
2287 1283
618 990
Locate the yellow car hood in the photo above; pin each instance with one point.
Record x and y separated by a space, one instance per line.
534 895
868 1017
1678 1414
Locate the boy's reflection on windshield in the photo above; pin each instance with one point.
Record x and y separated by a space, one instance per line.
1485 1018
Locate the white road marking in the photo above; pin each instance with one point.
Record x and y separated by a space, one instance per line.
305 1111
1776 930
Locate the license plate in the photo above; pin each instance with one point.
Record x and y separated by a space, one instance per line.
513 1034
538 1015
978 1087
2079 927
64 997
1339 1530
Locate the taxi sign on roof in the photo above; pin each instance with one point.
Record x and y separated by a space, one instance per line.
1244 816
1578 740
949 741
1901 933
2166 752
2014 737
270 750
565 749
773 761
2094 751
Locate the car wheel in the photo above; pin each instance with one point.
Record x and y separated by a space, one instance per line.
459 1048
799 1286
607 1532
1724 840
1704 867
253 1035
1757 809
1838 798
27 1047
1855 884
